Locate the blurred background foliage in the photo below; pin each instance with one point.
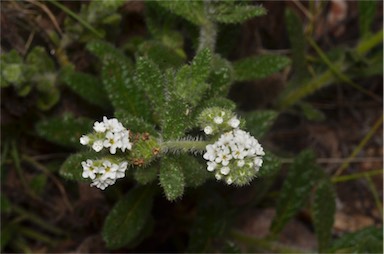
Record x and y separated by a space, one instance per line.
306 76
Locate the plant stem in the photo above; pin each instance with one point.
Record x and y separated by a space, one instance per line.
184 146
375 195
208 31
360 146
76 17
345 178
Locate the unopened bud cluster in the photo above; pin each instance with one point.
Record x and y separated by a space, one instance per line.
235 157
103 172
217 120
110 134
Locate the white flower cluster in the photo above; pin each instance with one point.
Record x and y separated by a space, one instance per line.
103 172
109 134
235 157
217 120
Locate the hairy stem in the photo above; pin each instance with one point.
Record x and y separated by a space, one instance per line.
184 146
208 32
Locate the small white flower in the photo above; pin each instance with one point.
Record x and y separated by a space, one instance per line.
99 127
234 122
112 141
102 183
208 130
218 120
84 140
225 170
218 176
229 180
211 166
88 169
110 170
120 173
125 144
211 153
98 145
240 163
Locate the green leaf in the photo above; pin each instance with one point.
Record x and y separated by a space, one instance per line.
190 82
311 113
171 178
86 86
195 172
211 222
122 90
175 120
149 77
128 217
367 240
48 98
134 123
298 46
226 12
193 11
271 165
65 130
296 189
103 49
323 210
146 175
259 67
367 11
71 169
39 60
221 77
259 122
164 56
219 102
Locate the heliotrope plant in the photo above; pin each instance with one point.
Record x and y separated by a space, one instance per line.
234 157
172 124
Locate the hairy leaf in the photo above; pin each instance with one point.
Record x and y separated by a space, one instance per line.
195 172
71 169
122 90
190 82
171 178
193 11
324 208
227 12
149 77
259 122
367 240
65 131
87 86
296 189
134 123
298 46
221 76
259 67
164 56
271 165
146 175
128 217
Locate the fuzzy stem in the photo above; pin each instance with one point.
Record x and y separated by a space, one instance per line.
208 31
184 146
